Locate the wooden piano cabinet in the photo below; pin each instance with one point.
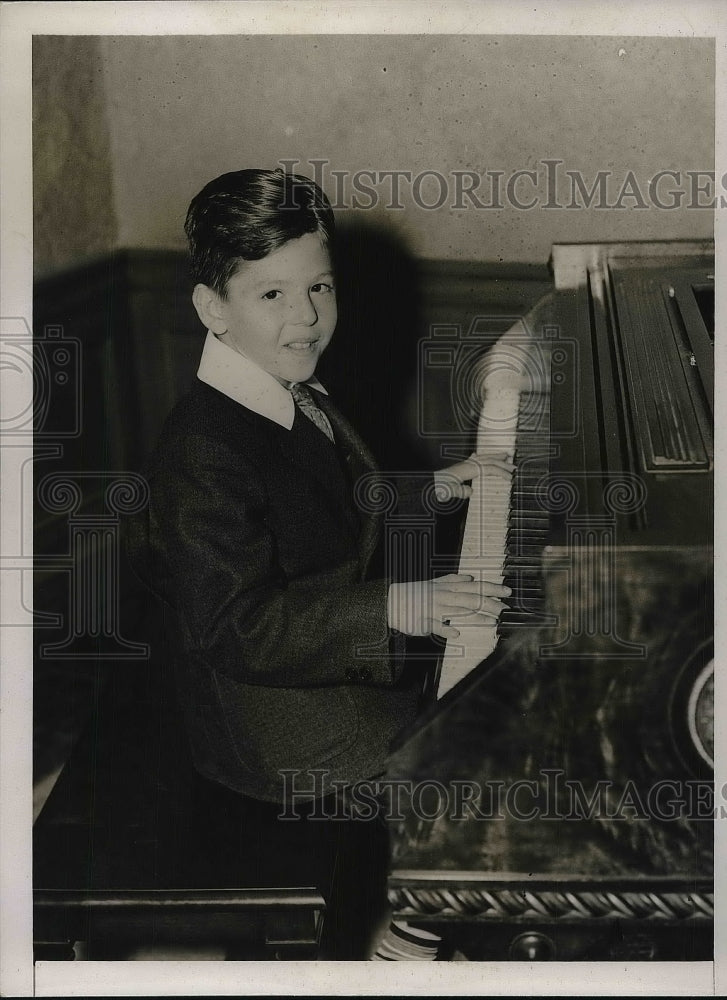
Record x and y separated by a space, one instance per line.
558 793
557 802
558 919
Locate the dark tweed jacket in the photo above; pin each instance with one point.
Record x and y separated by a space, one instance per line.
253 541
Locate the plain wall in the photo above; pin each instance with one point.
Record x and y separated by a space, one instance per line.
181 110
73 202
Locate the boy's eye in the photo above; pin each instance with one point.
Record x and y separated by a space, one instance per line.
272 294
321 286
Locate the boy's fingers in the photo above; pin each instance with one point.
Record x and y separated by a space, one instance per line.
464 603
449 481
474 471
490 456
444 631
457 473
448 630
453 578
503 468
452 489
473 616
488 589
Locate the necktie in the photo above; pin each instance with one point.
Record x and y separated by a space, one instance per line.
305 403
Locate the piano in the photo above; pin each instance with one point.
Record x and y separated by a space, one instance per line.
554 800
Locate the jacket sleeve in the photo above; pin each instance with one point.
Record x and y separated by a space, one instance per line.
205 546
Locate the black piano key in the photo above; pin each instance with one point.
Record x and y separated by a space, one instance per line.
529 483
523 551
516 579
523 616
523 585
515 561
526 602
522 522
531 498
527 589
524 547
515 616
505 631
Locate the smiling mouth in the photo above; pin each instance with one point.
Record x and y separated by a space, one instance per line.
302 345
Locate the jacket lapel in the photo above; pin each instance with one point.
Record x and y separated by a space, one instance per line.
358 459
363 471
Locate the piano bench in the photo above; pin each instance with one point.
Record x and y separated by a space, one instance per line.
255 924
135 853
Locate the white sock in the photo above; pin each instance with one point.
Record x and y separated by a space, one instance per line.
403 943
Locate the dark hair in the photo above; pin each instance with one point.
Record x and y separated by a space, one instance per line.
245 215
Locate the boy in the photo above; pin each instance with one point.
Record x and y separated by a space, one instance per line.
253 537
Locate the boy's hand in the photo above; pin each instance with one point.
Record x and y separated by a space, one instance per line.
425 607
450 482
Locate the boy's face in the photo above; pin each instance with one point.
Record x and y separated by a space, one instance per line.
281 311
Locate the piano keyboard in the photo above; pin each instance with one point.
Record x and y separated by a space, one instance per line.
483 543
504 530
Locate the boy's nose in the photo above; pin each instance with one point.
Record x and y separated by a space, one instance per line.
305 311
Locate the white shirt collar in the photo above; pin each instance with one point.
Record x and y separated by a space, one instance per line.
246 382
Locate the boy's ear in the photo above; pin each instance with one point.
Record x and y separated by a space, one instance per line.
210 308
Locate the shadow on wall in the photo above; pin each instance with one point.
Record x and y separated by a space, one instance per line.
371 364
